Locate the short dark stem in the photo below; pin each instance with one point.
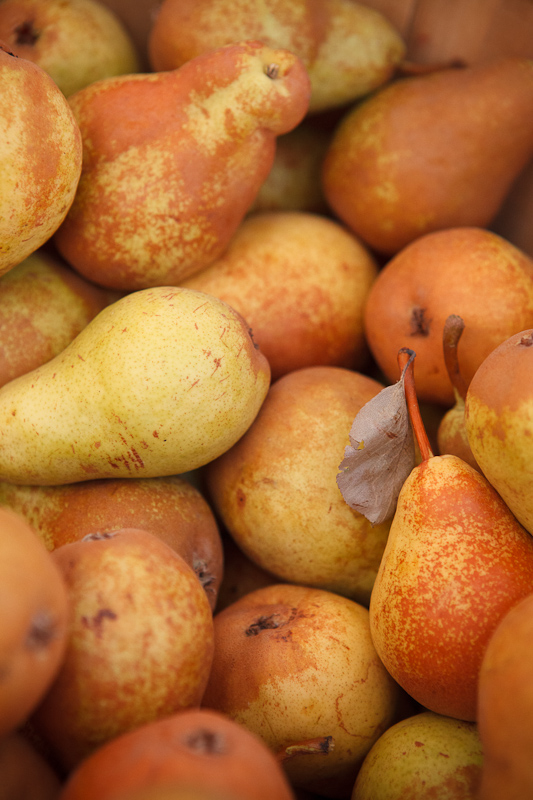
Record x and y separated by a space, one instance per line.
322 745
406 359
453 330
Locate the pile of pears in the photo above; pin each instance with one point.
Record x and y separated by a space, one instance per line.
228 231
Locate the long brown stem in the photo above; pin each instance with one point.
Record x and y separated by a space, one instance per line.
322 745
406 359
453 330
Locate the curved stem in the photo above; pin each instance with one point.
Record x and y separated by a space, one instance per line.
406 360
453 330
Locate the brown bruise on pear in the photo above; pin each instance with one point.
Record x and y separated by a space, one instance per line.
499 422
171 508
347 49
455 561
42 146
188 149
297 667
140 643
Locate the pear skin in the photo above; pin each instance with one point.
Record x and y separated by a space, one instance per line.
423 756
40 158
499 422
455 562
470 272
427 153
505 700
170 508
75 42
44 304
173 161
159 383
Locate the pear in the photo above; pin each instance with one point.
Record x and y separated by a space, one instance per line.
467 271
499 422
456 560
297 667
171 508
348 49
76 42
40 158
426 153
426 755
505 699
140 642
160 382
290 274
276 489
44 304
173 161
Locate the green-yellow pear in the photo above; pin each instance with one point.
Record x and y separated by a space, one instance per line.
456 560
76 42
298 668
499 422
173 161
160 382
40 158
44 304
276 489
427 755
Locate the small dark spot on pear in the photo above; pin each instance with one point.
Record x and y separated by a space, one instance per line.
27 34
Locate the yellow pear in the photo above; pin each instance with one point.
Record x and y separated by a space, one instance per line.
423 756
499 422
76 42
40 158
159 383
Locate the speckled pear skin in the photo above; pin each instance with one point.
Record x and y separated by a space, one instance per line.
159 383
456 560
172 161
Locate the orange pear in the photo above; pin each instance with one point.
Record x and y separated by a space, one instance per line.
455 562
173 161
499 422
428 152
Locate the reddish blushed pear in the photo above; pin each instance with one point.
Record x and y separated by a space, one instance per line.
161 382
499 422
140 642
470 272
40 158
456 560
173 161
505 702
347 48
171 508
425 153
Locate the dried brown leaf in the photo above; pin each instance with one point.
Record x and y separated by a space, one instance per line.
380 456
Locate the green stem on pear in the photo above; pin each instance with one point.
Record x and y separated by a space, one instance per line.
453 330
406 359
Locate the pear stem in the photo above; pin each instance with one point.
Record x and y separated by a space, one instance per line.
453 330
406 360
321 745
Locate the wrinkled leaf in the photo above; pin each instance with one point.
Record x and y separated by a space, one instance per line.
380 456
